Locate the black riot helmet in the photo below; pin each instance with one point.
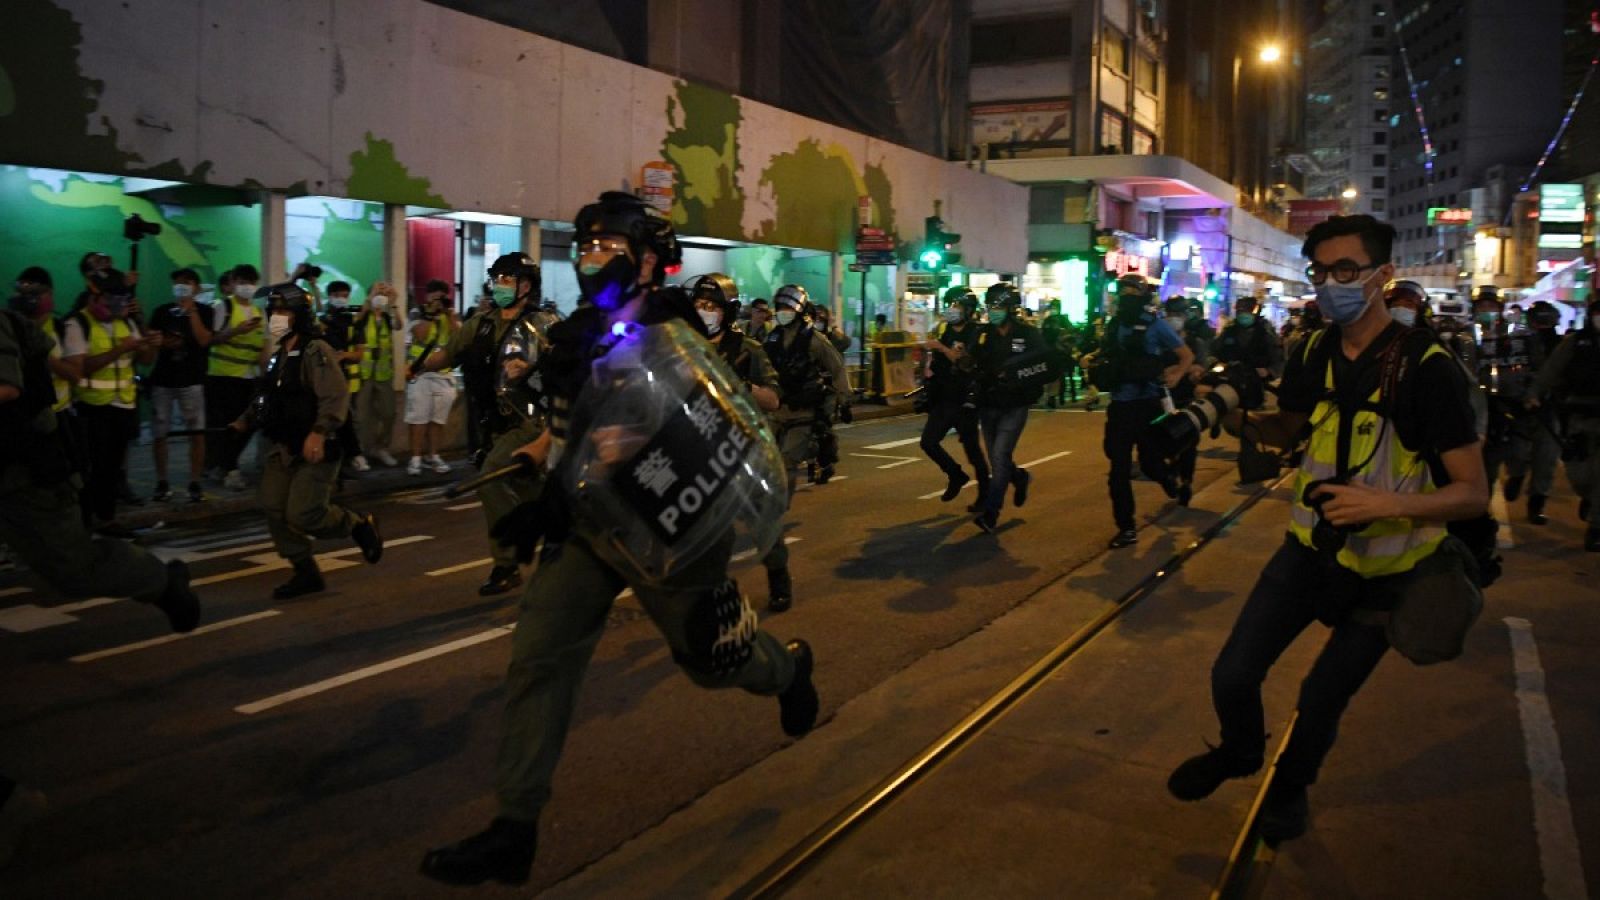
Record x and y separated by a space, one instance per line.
1002 295
719 289
1134 297
963 297
519 267
613 235
292 299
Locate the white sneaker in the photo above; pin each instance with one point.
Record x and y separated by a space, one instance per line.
414 467
385 457
235 481
439 465
360 464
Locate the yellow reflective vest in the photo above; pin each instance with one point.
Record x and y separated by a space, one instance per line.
377 363
438 338
1385 546
238 357
114 384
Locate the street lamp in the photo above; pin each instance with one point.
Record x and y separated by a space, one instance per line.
1271 53
1349 193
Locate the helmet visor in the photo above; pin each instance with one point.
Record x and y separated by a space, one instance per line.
591 253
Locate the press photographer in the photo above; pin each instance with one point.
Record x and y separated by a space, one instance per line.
1140 359
1393 456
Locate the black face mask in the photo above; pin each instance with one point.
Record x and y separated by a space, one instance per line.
1130 310
612 285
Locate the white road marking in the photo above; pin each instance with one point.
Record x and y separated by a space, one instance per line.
460 506
14 591
899 460
890 445
328 561
1026 465
337 681
91 603
213 539
169 638
1497 505
811 484
167 554
29 617
1559 855
451 570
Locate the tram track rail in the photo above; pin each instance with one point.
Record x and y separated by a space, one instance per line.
784 871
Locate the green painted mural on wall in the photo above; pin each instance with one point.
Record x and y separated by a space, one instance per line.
51 218
375 174
703 146
814 189
344 237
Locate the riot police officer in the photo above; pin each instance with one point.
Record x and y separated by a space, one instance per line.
303 403
622 250
349 345
1249 339
1570 380
951 380
1139 360
1542 319
812 385
1505 370
498 353
1013 366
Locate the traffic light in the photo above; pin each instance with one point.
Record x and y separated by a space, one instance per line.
938 246
1210 293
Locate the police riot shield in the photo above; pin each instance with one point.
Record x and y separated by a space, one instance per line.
670 456
517 386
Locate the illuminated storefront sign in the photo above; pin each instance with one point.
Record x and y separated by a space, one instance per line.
1441 215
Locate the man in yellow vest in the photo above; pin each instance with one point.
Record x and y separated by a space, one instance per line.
105 345
376 400
1394 455
429 395
236 345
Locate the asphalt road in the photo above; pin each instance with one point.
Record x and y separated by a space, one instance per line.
317 747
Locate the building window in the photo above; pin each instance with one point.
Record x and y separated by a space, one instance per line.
1380 137
1112 126
1377 32
1381 73
1144 142
1114 49
1380 115
1019 40
1380 159
1380 94
1377 205
1147 76
1379 182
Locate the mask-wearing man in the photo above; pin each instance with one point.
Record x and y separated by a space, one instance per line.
1145 358
951 381
349 345
238 339
498 353
760 319
622 250
1012 366
178 378
376 326
105 345
1365 507
430 393
302 406
1507 362
1249 339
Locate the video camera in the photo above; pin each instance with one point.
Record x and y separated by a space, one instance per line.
136 229
1234 386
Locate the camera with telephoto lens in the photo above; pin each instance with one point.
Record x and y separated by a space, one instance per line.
1235 386
136 229
307 270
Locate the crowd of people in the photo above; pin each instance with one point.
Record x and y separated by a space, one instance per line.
1402 420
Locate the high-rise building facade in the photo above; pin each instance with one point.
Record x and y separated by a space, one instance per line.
1477 96
1349 99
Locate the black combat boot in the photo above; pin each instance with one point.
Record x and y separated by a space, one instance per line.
780 589
178 600
1513 487
366 536
502 852
1285 812
1199 776
307 579
500 580
1536 510
958 480
798 704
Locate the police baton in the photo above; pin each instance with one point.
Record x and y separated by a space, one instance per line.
523 466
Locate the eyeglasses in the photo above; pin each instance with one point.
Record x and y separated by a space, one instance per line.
1344 271
594 252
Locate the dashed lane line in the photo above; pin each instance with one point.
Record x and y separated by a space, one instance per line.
338 681
461 506
1560 857
890 445
169 638
1026 465
328 561
451 570
14 591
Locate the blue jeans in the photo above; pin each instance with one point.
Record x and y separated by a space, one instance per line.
1002 428
1281 606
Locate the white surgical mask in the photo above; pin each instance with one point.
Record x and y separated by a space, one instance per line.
954 315
380 302
785 316
279 325
339 299
182 292
712 318
1404 315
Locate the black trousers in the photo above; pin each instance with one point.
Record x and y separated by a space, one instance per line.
1282 604
943 416
107 431
1127 429
226 400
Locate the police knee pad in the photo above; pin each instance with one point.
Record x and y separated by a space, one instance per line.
719 634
